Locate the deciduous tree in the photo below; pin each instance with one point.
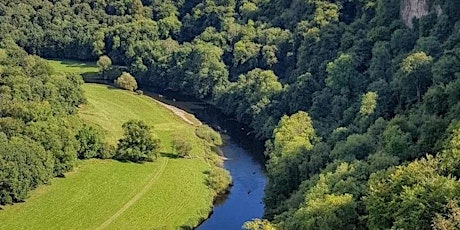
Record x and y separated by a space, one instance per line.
137 144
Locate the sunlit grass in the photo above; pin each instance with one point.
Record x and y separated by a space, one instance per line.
97 189
66 66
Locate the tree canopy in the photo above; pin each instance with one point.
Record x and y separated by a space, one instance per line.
137 144
378 92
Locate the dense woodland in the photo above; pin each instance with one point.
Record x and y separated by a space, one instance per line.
349 97
40 134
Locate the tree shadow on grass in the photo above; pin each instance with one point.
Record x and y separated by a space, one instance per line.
76 63
169 155
185 227
112 87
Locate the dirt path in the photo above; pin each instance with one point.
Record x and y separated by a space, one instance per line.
136 197
179 112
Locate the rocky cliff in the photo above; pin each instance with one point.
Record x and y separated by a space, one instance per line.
413 9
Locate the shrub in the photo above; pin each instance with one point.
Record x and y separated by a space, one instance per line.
90 142
126 81
182 147
104 63
107 151
219 180
212 158
209 135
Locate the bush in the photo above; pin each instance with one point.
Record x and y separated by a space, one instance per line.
126 81
104 63
219 180
137 144
24 165
90 142
209 135
182 147
212 158
107 151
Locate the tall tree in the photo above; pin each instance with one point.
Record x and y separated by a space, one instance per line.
137 144
416 68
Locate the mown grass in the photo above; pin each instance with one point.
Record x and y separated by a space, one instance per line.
98 189
67 66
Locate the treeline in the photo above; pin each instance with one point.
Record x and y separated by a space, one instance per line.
376 91
40 135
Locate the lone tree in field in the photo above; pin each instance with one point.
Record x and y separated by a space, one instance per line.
126 81
182 146
104 64
137 144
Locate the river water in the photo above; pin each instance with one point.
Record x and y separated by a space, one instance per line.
245 199
244 162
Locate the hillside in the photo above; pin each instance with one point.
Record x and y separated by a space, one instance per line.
113 195
347 94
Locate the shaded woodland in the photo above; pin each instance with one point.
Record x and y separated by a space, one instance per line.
349 97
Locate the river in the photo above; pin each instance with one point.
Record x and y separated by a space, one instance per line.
244 162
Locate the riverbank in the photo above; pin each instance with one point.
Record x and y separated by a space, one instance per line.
244 160
169 193
240 149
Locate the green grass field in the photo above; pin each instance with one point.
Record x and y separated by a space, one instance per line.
107 194
73 66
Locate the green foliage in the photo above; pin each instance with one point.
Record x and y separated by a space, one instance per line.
256 89
218 180
104 63
357 146
342 77
258 61
97 180
209 135
416 63
201 70
415 76
24 165
421 193
91 144
258 224
368 103
329 212
126 81
407 199
39 133
449 220
182 147
328 203
293 134
137 144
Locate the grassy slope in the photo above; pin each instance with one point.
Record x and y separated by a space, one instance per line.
73 66
165 194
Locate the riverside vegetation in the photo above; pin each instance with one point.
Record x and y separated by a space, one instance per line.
356 99
44 134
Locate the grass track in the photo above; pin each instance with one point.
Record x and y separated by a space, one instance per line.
114 195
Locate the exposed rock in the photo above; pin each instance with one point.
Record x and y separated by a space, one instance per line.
413 9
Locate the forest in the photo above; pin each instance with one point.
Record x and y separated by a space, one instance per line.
358 100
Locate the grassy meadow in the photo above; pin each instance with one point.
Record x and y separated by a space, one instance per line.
73 66
105 194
